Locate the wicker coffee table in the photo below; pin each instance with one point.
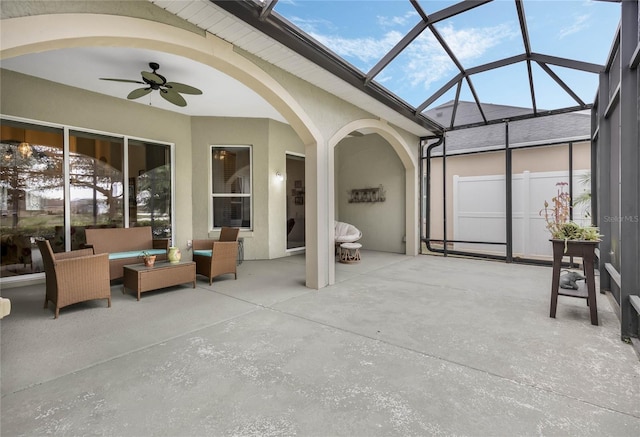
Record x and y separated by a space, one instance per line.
139 278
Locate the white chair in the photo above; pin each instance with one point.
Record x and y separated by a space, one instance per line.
345 233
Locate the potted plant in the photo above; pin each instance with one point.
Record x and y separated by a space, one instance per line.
149 260
556 216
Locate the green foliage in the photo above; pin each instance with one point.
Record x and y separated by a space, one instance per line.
584 198
557 215
155 189
573 231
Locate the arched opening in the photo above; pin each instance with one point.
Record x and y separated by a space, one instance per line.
356 153
36 34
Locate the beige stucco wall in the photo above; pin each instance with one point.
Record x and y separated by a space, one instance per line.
45 101
282 139
269 141
538 159
367 162
319 119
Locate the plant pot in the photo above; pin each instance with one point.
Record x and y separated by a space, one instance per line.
149 261
580 248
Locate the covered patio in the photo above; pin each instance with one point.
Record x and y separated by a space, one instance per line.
399 345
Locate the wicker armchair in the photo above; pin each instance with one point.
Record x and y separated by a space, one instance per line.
75 276
217 257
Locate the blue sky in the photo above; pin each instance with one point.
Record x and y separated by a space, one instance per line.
362 31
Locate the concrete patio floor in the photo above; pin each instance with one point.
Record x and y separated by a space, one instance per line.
400 346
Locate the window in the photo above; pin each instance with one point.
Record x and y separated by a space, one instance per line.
150 187
31 193
40 199
96 180
231 186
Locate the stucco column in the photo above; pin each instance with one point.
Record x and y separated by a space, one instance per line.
317 217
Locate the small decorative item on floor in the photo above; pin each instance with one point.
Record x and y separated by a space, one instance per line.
350 253
174 255
149 260
569 279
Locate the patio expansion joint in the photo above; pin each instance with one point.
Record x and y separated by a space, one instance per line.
456 363
256 307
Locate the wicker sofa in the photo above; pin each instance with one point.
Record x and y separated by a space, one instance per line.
125 246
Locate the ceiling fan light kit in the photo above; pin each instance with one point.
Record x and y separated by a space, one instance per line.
170 91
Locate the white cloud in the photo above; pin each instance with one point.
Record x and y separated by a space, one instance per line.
430 63
580 22
402 20
382 78
311 25
424 62
366 50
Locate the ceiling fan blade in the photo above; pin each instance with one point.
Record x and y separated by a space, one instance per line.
122 80
182 88
137 93
172 96
153 77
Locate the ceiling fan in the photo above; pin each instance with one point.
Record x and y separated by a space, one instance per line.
170 91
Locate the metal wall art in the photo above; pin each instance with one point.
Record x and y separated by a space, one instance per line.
298 193
367 195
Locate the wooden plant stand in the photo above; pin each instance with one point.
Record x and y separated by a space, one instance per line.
586 251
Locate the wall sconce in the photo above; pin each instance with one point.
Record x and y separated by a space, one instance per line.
279 176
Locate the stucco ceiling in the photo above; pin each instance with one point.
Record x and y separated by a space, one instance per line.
83 67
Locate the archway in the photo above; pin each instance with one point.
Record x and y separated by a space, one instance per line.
33 34
409 161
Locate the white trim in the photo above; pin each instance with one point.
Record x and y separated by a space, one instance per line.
210 219
286 194
66 177
125 184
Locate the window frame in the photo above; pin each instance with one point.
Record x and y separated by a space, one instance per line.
212 195
67 130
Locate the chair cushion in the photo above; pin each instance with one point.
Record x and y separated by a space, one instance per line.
136 253
346 233
202 252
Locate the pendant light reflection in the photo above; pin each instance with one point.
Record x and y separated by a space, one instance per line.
25 149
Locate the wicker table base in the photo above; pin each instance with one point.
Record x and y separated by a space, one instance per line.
139 278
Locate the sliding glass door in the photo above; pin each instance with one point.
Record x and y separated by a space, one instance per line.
47 193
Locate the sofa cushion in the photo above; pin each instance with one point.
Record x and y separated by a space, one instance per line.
136 253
